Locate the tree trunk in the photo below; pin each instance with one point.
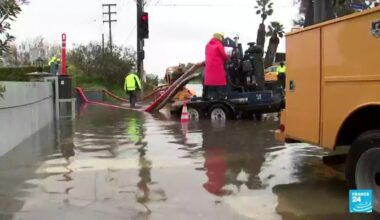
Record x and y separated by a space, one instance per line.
271 51
317 11
261 35
309 17
16 59
327 10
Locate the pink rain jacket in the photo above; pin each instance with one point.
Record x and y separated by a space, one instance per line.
215 74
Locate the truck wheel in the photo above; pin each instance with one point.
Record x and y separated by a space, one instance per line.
363 165
194 113
219 113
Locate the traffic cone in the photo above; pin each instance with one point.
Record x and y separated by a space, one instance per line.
185 114
184 128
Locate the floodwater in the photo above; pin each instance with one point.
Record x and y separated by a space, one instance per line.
112 164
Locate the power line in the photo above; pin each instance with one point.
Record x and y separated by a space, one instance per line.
210 5
146 3
197 5
109 21
131 32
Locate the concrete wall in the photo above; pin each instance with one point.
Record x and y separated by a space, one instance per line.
25 108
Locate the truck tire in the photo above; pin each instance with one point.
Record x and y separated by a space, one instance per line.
219 112
194 113
363 165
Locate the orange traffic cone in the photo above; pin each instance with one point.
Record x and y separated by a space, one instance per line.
184 128
185 114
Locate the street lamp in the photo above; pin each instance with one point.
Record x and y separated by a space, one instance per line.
40 64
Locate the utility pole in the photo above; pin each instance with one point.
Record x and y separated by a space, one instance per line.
140 43
109 21
102 44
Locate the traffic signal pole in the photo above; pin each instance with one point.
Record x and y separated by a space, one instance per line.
140 44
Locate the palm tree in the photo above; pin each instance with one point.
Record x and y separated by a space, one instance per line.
276 31
316 11
264 9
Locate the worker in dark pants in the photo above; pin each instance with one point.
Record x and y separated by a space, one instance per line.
281 75
132 84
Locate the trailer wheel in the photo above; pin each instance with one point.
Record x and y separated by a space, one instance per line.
363 165
219 113
194 113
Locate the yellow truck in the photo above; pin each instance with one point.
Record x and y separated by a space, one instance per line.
333 93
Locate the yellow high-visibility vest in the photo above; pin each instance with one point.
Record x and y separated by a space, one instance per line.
281 69
134 127
52 60
132 82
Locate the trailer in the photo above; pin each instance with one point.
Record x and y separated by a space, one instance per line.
247 92
236 106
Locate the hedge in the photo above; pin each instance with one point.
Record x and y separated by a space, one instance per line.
18 73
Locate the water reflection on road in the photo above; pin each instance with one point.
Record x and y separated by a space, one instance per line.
129 165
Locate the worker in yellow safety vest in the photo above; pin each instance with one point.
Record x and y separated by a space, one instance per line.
52 60
54 65
281 75
131 85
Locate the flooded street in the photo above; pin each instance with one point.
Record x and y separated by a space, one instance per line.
113 164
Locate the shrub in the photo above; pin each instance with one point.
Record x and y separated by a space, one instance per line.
18 73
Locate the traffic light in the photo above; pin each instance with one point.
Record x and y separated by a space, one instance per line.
144 25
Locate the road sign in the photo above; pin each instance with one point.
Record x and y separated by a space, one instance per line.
358 6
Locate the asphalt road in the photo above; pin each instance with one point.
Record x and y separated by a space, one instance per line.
113 164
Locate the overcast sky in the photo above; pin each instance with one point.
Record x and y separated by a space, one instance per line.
179 29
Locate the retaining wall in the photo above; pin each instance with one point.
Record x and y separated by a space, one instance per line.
25 108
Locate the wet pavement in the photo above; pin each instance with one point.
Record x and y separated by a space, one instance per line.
112 164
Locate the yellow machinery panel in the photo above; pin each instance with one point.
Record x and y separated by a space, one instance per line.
303 86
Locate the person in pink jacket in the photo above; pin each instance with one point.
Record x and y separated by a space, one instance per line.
215 79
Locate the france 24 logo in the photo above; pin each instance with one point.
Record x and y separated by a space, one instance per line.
361 201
